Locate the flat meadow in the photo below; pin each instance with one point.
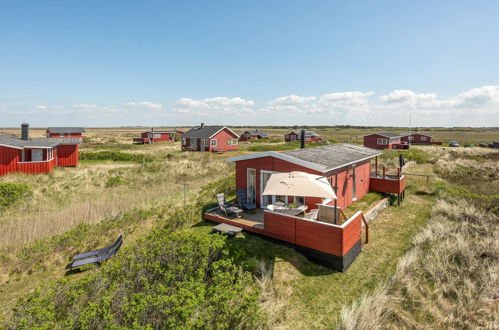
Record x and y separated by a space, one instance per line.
155 195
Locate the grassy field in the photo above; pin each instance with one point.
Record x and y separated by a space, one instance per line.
74 209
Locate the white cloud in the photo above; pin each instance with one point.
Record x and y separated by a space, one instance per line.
405 95
144 105
214 105
85 106
291 100
41 107
477 97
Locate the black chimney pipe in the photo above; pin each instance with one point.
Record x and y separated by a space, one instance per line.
24 131
302 140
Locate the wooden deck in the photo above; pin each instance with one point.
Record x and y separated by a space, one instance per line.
252 220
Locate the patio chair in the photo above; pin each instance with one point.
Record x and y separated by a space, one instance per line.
95 256
242 200
226 208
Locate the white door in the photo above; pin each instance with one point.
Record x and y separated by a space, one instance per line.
269 199
251 186
36 155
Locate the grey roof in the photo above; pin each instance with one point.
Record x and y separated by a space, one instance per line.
307 133
162 132
258 132
386 134
203 132
37 142
412 133
333 156
66 130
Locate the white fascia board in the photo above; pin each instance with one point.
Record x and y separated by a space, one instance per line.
10 146
225 127
278 155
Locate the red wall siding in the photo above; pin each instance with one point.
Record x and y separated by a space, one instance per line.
319 236
345 188
313 234
9 157
223 138
36 168
351 234
417 138
392 186
56 135
371 141
67 155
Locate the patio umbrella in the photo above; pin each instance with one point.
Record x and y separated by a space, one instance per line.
299 184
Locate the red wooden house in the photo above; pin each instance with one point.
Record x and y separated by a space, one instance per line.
348 169
36 155
152 136
418 138
253 135
385 140
55 132
210 138
310 136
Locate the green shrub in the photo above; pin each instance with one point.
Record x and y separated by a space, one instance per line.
116 156
11 193
114 181
172 281
417 155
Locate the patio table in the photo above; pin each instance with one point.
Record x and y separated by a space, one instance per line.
288 210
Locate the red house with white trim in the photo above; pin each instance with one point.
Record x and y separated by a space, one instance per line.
36 155
210 138
347 167
152 136
385 140
310 136
56 132
418 138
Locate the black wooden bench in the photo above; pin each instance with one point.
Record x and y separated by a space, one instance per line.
96 256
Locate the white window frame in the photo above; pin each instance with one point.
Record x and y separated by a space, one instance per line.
232 142
262 173
424 138
184 141
411 138
215 142
204 142
382 141
194 142
296 201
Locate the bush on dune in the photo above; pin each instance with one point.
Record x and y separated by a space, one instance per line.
179 280
11 193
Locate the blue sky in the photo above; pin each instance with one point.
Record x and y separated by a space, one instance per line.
112 63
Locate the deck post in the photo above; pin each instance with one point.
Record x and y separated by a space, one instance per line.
336 200
376 166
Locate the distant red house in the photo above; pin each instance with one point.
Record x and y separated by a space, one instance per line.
210 138
253 135
348 169
156 136
418 138
384 140
310 136
36 155
56 132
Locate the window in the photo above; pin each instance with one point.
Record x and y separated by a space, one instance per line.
411 137
184 141
382 141
194 142
214 142
424 138
299 200
204 142
232 142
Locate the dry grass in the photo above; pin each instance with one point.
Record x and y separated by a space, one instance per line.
68 197
449 279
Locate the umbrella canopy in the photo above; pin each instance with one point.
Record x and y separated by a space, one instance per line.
299 184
